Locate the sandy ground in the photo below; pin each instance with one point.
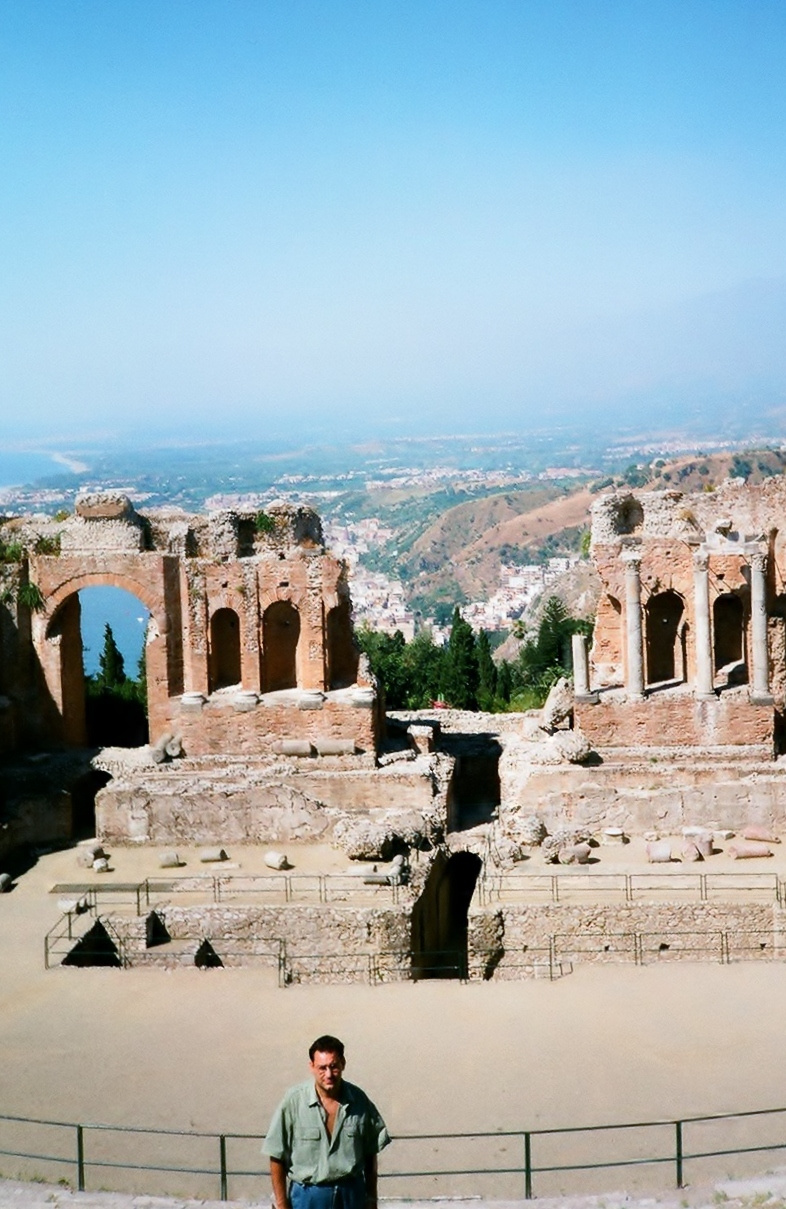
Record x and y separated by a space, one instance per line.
213 1050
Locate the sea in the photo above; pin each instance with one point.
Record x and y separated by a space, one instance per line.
20 467
125 614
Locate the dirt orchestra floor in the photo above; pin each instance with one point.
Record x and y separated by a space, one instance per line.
213 1050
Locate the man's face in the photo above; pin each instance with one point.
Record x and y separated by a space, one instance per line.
327 1070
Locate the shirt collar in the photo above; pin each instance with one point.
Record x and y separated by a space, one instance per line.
313 1095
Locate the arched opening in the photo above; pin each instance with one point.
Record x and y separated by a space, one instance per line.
224 662
440 917
342 654
280 633
663 643
113 625
728 616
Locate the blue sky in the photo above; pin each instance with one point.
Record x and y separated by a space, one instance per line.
251 216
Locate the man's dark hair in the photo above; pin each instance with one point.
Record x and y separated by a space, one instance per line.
326 1045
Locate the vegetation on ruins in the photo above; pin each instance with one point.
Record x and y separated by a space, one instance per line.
116 704
11 552
264 523
462 674
30 596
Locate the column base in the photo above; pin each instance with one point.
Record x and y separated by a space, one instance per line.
706 696
586 698
761 699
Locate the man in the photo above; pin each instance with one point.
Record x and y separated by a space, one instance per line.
324 1138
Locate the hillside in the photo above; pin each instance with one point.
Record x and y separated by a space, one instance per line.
465 547
458 553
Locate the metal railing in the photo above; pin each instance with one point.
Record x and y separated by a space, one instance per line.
282 887
511 885
440 1163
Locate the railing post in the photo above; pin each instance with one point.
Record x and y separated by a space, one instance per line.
80 1159
528 1166
222 1154
678 1152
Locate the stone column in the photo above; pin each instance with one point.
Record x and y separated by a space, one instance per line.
701 606
581 681
634 679
761 677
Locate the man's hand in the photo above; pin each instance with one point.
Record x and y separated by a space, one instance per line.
278 1178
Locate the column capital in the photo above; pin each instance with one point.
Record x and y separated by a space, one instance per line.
758 561
701 560
631 559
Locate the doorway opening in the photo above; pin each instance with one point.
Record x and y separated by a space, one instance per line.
440 917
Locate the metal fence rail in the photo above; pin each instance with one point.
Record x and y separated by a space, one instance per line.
518 1155
513 885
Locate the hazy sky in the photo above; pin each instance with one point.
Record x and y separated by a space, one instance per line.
249 214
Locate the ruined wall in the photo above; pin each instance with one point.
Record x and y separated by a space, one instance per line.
656 792
249 602
513 941
252 806
674 720
321 943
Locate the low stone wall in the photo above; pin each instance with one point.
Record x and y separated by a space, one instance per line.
678 719
514 941
320 943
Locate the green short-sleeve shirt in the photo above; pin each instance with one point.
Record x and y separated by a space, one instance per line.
298 1135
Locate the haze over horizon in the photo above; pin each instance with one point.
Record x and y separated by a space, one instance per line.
321 215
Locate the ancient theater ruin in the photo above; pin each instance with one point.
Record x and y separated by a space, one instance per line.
286 818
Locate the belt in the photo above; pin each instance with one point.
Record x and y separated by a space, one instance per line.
341 1182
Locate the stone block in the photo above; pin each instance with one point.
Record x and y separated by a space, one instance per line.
659 852
690 852
211 855
762 835
293 747
101 865
244 701
169 860
575 854
276 860
613 836
310 700
335 747
745 850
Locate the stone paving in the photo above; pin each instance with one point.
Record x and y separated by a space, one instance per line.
767 1190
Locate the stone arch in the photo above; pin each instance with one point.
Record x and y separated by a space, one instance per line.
341 654
280 635
728 617
664 646
58 642
224 652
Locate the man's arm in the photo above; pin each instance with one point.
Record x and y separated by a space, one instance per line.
278 1178
370 1170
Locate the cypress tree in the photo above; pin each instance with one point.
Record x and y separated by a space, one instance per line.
112 673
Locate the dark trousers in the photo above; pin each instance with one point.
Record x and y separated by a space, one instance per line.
349 1193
